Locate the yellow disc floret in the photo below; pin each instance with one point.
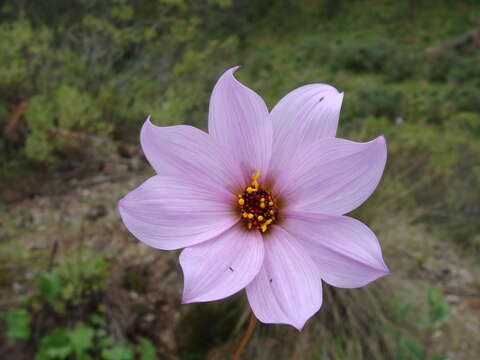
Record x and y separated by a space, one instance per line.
258 208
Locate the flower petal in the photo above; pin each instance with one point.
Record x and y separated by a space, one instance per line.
304 116
222 266
334 176
189 152
238 120
346 251
170 213
288 289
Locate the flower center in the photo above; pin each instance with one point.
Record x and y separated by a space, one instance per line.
258 208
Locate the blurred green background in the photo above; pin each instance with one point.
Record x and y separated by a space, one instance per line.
79 77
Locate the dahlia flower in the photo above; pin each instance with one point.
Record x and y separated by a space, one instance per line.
258 203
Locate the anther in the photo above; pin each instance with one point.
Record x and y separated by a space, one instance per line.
257 206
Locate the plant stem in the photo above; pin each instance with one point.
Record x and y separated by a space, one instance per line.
248 333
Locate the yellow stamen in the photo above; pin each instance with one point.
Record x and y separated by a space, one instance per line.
254 180
257 206
263 227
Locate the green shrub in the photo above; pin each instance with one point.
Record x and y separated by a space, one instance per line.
438 310
91 341
402 64
55 345
372 100
316 49
67 109
17 324
75 281
362 55
466 69
467 98
433 170
78 280
99 73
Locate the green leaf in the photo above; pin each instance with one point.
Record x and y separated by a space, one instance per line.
17 322
55 345
51 286
105 342
97 319
101 333
81 340
118 352
412 348
147 350
438 307
403 308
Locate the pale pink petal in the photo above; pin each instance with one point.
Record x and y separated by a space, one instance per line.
189 152
238 120
170 212
288 288
334 176
346 251
221 266
305 115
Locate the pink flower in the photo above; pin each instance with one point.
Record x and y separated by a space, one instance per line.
259 202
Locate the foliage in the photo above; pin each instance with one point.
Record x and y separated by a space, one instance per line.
423 170
75 281
438 308
364 56
67 109
147 349
17 324
100 72
91 341
55 345
408 348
